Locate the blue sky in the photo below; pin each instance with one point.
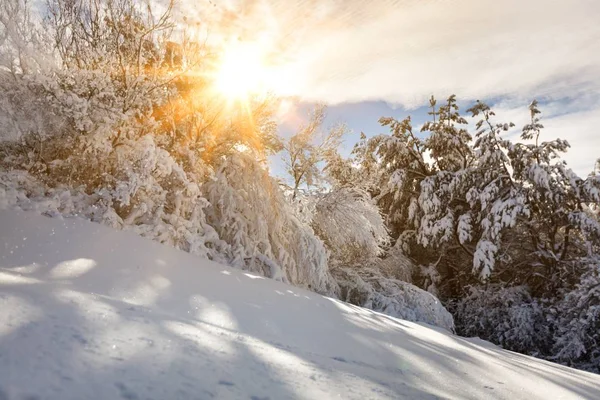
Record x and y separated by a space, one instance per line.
562 118
359 117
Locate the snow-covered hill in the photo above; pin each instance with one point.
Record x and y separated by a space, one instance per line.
87 312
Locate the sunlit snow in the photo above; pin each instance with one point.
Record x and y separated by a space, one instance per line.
87 312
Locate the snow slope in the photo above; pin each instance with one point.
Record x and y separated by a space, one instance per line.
87 312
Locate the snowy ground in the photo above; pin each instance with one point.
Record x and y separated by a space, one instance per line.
91 313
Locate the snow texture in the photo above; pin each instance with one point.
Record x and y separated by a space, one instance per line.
87 312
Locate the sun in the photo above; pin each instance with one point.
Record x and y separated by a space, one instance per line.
241 72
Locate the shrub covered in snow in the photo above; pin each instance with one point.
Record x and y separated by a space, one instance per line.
351 226
368 287
577 321
509 317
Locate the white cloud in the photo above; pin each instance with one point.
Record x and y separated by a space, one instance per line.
403 51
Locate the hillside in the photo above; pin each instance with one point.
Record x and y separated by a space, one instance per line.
89 312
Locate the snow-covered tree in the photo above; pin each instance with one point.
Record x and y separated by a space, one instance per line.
308 148
351 226
448 142
251 214
25 47
462 202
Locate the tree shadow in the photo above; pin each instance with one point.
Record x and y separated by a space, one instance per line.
139 320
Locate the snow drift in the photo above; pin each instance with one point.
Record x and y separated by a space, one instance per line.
90 312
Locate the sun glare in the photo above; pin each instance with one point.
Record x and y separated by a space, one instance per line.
241 72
